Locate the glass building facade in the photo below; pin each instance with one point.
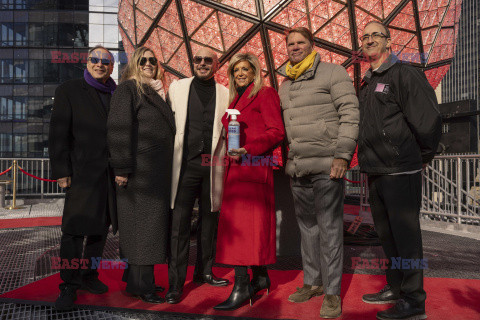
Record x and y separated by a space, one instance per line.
462 81
43 44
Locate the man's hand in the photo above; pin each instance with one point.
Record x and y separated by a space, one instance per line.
240 152
121 180
64 182
339 168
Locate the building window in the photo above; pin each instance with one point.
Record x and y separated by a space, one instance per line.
6 34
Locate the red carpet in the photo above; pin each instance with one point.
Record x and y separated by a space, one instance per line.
30 222
351 209
447 298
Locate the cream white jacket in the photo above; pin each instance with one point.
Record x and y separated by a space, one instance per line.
178 94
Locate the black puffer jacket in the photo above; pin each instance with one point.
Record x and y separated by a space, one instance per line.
400 125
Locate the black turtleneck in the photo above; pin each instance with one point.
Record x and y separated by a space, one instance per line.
241 91
204 88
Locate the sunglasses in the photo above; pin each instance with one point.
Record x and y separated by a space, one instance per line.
153 61
95 60
198 60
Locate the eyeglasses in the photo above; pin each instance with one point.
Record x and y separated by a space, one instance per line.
95 60
375 36
198 60
153 61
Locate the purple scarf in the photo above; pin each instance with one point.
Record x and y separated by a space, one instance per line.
107 87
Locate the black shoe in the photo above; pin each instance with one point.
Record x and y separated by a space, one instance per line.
385 295
403 310
242 292
66 299
211 280
159 289
93 285
173 295
150 298
260 282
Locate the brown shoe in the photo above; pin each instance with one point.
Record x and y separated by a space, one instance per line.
305 293
331 307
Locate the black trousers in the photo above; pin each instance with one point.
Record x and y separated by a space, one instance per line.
194 182
71 247
395 203
139 278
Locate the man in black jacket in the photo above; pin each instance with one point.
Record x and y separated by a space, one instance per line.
400 128
199 104
79 159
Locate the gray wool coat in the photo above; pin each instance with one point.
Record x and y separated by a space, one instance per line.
321 115
141 131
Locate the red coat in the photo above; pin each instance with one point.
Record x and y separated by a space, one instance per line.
247 225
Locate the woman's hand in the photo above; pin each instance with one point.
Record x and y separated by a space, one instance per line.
64 182
239 152
121 180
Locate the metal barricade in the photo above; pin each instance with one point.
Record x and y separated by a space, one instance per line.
28 186
451 189
450 186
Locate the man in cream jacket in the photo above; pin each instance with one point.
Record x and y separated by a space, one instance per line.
199 104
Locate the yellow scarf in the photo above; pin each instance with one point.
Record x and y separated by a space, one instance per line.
293 72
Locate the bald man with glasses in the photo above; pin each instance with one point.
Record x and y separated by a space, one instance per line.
199 104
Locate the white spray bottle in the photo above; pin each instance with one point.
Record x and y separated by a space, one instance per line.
233 131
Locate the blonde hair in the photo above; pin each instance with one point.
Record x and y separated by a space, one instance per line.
133 71
257 80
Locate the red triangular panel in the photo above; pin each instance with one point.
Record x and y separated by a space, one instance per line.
195 14
151 8
209 34
292 15
143 23
127 20
170 43
179 61
232 28
153 43
279 48
170 20
405 18
244 5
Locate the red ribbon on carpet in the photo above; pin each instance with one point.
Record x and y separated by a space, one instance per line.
35 177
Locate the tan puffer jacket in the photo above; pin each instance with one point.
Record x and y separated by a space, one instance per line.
321 115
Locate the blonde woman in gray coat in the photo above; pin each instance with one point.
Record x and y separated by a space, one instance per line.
141 130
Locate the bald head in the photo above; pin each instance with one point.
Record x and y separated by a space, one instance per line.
205 63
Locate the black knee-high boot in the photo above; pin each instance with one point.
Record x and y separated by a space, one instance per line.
260 279
242 291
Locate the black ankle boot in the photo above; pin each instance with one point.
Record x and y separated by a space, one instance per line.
260 280
242 291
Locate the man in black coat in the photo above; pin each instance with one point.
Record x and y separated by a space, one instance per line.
400 127
79 159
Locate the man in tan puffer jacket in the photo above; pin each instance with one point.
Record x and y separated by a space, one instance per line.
321 116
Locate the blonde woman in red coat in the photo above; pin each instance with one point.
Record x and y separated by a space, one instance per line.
247 226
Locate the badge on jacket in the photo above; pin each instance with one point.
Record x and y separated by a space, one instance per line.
382 87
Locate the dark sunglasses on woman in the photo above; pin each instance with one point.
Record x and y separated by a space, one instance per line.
95 60
153 61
